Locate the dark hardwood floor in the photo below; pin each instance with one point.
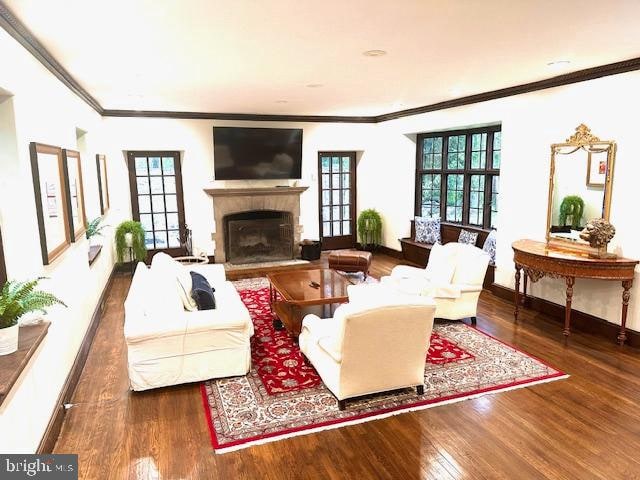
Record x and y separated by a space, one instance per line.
585 427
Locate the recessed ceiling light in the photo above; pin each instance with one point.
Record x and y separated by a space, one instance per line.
558 64
282 101
374 53
314 85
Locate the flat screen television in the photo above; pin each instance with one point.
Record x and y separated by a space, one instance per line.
257 153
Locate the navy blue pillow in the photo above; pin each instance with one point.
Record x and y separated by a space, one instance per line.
202 292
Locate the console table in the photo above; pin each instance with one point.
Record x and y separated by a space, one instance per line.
537 260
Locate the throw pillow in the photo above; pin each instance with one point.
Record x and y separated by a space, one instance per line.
468 237
490 246
427 229
202 292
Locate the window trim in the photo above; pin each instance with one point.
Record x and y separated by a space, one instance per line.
133 190
467 171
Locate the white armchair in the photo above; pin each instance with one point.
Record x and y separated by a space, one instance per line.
370 348
453 277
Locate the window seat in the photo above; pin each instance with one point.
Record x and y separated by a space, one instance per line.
417 253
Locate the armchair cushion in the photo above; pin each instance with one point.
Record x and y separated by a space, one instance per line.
442 263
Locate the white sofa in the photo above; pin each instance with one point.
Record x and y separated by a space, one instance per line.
453 277
168 345
370 347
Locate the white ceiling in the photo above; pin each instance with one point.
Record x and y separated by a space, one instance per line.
244 56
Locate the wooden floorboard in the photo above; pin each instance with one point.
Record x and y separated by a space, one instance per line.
585 427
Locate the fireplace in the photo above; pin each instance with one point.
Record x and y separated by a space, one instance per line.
229 201
258 236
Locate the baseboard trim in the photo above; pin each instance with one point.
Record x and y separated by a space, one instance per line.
390 251
580 321
57 417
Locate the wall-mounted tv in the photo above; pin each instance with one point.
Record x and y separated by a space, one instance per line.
257 153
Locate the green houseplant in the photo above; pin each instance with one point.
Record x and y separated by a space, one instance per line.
130 234
94 228
571 206
370 229
17 299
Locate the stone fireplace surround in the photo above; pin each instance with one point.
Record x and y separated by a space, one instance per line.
236 200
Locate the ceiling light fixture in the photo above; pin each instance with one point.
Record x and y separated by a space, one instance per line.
282 101
314 85
374 53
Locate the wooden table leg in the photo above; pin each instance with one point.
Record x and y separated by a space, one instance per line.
626 295
517 293
567 310
524 293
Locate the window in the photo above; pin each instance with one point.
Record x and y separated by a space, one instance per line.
337 189
458 176
156 199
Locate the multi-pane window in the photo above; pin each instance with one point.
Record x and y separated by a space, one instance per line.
157 197
337 199
458 176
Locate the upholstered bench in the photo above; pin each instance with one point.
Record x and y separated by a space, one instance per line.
350 261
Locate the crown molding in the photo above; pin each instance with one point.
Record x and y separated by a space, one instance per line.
18 31
257 117
557 81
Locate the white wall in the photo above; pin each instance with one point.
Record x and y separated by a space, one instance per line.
41 109
530 124
194 138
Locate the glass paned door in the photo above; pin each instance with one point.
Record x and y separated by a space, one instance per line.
337 187
156 199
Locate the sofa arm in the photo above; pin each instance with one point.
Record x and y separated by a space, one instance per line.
466 288
407 271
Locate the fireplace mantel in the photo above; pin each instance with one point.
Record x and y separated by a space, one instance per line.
251 191
228 201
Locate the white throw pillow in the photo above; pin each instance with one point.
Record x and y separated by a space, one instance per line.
163 264
441 265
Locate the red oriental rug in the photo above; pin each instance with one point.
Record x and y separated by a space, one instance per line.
283 396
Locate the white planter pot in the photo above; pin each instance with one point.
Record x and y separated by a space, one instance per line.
128 239
8 340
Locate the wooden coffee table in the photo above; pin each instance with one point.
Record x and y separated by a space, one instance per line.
292 296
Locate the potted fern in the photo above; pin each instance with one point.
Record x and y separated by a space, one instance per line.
370 229
94 229
17 299
130 234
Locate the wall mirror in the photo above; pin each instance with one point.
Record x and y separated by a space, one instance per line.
75 193
47 168
580 186
103 183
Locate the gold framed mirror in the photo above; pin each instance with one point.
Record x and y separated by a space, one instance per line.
580 184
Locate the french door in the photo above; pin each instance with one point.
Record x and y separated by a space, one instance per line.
155 180
337 187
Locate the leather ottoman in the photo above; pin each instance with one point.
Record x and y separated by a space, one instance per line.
350 261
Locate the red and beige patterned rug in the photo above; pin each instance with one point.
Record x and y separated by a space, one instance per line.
283 396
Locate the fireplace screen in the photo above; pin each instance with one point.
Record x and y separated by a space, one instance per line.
258 236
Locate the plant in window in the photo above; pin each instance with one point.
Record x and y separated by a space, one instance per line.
16 300
571 206
370 229
130 235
